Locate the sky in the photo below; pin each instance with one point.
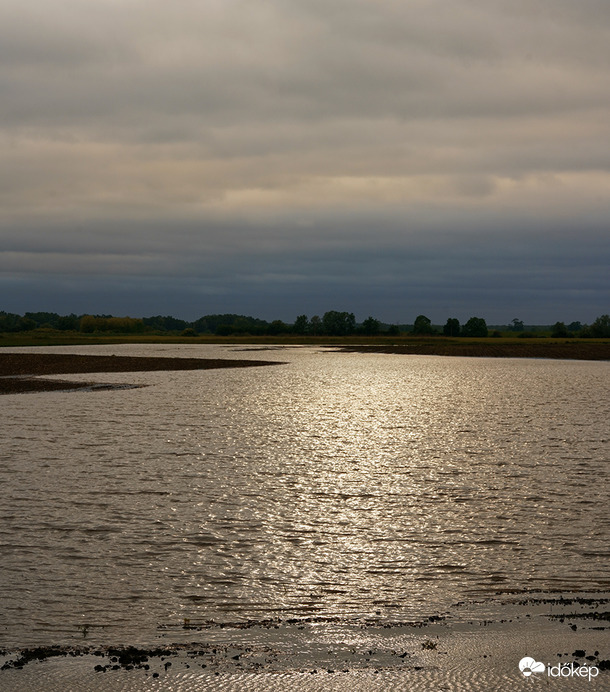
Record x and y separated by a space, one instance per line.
283 157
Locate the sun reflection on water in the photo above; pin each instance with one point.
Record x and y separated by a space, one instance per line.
358 485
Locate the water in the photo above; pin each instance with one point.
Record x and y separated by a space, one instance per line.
336 486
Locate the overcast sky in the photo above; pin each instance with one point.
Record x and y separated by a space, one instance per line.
279 157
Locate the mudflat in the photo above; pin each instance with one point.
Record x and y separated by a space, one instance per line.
19 372
490 349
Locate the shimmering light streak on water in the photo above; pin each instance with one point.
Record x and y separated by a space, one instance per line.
335 485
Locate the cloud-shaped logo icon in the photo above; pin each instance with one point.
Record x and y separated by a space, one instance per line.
529 665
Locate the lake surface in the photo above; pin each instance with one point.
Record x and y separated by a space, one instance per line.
335 486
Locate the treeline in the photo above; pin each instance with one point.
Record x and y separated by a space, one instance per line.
332 323
476 327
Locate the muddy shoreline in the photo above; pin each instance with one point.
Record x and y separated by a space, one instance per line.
463 649
21 372
559 351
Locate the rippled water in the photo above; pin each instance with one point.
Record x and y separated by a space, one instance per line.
336 485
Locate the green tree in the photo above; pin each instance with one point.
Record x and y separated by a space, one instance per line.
229 323
87 324
422 325
26 324
371 326
43 319
517 325
107 323
277 327
67 323
559 331
301 325
315 325
338 323
600 328
452 327
166 323
476 326
224 330
9 322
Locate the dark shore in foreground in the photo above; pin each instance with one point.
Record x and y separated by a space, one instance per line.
19 372
463 648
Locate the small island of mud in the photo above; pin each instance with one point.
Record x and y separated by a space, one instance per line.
21 372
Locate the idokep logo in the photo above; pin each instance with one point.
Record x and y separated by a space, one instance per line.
529 665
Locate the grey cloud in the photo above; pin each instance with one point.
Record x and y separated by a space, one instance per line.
309 61
295 150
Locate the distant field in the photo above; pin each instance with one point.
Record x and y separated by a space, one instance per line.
491 347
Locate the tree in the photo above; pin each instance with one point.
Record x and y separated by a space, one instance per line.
517 326
166 324
224 330
301 325
9 322
601 327
476 326
43 319
371 326
107 323
422 325
229 323
26 324
67 322
338 323
87 324
315 324
277 327
559 331
452 328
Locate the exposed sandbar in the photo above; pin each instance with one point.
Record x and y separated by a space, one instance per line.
19 371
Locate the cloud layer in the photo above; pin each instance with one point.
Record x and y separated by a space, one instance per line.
280 157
